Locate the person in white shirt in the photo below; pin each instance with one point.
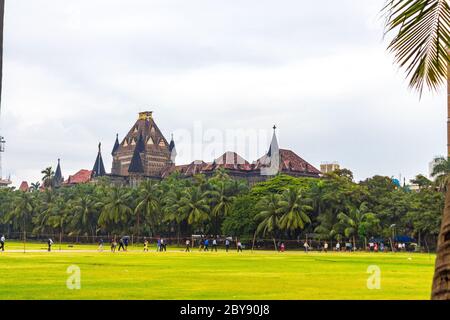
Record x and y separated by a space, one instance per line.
306 245
239 246
325 246
227 245
49 242
338 246
2 243
188 244
214 245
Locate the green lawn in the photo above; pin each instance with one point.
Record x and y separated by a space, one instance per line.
206 275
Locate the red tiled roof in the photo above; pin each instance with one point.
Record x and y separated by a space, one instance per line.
24 186
195 167
289 162
81 176
230 161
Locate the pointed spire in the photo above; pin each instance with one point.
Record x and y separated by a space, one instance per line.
173 150
58 178
274 144
116 145
136 162
99 169
172 144
140 145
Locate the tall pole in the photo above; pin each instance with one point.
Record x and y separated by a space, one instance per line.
2 15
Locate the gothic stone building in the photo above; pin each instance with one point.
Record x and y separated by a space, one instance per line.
144 153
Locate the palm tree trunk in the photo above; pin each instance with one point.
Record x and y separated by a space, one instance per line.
138 226
441 287
254 238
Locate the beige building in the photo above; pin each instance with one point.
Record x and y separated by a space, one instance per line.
327 167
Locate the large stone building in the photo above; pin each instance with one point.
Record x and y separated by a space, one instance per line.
144 153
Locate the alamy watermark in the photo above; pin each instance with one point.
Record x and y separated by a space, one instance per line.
73 282
374 280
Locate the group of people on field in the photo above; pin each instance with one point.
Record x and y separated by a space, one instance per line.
211 244
3 240
121 244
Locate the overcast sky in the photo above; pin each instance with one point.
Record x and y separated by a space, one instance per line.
78 72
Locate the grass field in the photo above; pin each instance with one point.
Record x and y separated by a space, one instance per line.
210 275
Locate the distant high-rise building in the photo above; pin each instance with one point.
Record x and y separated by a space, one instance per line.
327 167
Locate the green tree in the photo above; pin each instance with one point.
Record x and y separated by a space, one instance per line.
115 208
357 222
148 204
221 201
194 205
421 38
48 175
294 208
441 172
268 216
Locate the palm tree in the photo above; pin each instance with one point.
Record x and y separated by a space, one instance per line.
194 205
47 179
441 172
294 208
421 46
22 212
148 203
85 212
35 186
115 207
59 215
422 37
354 221
172 208
221 202
269 216
43 213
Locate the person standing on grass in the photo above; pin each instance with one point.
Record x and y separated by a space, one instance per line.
158 245
121 245
206 244
188 244
325 247
49 242
338 247
100 245
239 246
125 242
113 245
2 243
282 247
306 246
163 245
214 245
227 245
145 245
202 244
